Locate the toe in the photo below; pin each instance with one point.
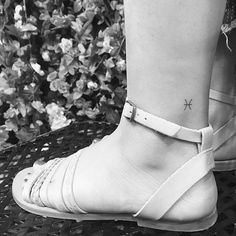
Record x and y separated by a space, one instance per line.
39 165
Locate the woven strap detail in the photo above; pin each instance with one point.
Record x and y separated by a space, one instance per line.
41 190
34 183
68 185
160 125
176 185
35 191
52 191
222 97
224 133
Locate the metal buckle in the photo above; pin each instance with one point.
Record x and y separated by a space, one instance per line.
134 110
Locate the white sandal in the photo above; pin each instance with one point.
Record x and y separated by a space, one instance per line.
160 202
224 133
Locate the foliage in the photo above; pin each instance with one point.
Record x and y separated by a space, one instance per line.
60 60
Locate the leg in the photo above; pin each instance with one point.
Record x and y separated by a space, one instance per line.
223 73
223 80
171 61
170 48
171 58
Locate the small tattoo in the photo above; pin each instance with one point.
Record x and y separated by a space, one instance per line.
188 104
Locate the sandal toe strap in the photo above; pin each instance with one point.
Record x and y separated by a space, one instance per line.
33 184
67 186
60 195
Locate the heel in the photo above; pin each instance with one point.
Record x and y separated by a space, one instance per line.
194 226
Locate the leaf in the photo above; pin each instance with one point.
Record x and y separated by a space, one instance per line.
112 116
25 134
120 96
3 135
22 108
11 125
7 4
52 76
77 6
13 30
3 84
28 27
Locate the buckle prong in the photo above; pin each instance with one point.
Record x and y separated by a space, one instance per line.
134 110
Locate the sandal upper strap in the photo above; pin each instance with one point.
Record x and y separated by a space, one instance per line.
161 125
176 185
222 97
224 133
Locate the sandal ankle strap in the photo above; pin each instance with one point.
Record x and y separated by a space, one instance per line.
165 127
222 97
173 188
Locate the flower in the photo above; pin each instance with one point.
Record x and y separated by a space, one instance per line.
80 84
11 125
45 55
38 106
77 93
54 85
52 76
60 122
3 82
27 27
3 134
4 86
63 87
59 85
66 45
81 48
39 122
52 109
109 63
18 66
91 113
77 25
105 45
57 118
92 85
18 24
37 68
11 112
18 12
9 91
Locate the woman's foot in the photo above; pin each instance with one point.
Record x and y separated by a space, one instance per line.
121 172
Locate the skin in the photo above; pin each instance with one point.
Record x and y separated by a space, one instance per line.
170 51
223 80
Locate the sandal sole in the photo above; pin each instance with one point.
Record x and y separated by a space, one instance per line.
192 226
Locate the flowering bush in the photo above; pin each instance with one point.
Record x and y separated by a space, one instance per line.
60 60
